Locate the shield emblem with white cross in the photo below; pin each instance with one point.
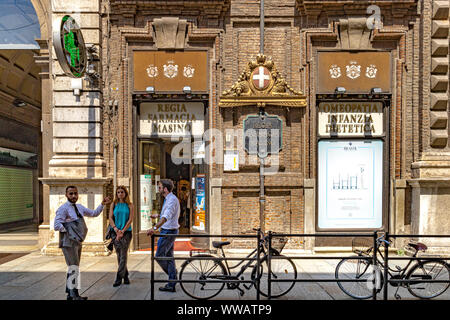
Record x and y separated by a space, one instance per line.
261 78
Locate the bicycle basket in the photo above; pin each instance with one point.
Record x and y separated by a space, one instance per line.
193 253
278 244
362 245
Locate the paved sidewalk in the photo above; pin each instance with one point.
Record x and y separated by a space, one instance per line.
37 277
25 274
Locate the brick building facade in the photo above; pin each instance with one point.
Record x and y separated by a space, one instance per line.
93 138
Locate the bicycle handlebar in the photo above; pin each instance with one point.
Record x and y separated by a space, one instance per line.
380 239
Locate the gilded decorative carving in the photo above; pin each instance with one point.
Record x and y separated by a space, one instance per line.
260 84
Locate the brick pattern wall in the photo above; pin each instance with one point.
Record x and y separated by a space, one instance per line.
294 30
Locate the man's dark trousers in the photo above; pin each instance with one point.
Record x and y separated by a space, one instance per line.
165 249
72 255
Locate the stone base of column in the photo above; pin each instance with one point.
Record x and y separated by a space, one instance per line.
90 249
431 200
91 193
77 166
310 213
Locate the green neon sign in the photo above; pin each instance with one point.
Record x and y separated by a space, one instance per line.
70 48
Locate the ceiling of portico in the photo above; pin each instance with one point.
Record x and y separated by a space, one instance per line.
19 78
19 75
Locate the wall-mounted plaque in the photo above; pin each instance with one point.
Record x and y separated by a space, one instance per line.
170 71
357 72
263 135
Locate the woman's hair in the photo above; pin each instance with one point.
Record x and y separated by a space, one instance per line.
127 195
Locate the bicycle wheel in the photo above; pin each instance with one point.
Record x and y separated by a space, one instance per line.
199 270
428 270
357 269
282 268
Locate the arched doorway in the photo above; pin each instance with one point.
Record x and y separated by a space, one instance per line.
22 25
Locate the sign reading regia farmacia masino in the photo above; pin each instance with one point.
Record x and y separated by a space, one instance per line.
167 119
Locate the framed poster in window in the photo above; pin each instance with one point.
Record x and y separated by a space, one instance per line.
350 188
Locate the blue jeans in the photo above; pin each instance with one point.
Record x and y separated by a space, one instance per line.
165 249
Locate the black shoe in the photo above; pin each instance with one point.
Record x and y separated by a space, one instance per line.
117 283
167 288
73 295
126 280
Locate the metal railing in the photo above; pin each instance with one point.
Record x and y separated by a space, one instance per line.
328 235
153 258
385 258
375 261
421 258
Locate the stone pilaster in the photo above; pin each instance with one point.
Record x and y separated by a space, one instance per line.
439 74
431 173
77 134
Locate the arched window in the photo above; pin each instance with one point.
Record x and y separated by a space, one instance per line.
19 25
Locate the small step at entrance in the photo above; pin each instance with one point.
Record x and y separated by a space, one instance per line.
181 244
7 257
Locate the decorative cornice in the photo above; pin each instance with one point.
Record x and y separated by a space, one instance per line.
348 7
271 90
208 8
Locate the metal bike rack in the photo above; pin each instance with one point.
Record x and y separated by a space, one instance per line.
270 256
153 258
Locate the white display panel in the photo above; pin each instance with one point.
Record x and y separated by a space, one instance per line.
146 202
350 187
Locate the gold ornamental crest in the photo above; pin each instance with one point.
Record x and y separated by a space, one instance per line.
260 84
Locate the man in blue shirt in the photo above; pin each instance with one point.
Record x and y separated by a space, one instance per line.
168 223
68 212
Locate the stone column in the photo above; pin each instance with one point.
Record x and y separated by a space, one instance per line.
431 187
77 139
215 211
310 212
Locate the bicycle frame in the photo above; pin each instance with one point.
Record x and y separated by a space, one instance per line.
249 263
398 274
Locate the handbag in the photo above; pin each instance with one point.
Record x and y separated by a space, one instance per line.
110 237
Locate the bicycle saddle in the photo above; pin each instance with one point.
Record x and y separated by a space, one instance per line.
220 244
418 246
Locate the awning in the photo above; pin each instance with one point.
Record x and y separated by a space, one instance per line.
19 25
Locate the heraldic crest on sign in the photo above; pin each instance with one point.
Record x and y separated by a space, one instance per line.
261 78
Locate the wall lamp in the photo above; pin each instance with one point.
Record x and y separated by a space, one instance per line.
76 85
339 90
187 89
19 103
150 89
375 91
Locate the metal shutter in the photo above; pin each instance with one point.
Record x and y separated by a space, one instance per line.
16 194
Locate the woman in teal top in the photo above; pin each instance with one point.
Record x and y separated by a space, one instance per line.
121 215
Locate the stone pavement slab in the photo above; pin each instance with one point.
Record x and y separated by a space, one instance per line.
38 277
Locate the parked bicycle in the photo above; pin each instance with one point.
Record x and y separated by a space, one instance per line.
211 266
415 275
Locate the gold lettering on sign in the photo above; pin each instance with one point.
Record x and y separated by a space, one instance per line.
345 117
171 118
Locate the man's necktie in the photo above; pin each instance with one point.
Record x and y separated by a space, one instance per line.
77 212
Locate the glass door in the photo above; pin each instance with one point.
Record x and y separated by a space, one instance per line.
150 169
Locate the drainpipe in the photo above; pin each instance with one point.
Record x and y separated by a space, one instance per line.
261 27
116 146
